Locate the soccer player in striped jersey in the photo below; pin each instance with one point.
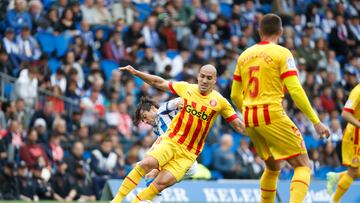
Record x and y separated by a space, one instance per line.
184 139
159 117
350 148
261 75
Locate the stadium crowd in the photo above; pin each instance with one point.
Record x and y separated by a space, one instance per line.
52 148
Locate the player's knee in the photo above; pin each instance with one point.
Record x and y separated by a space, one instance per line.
163 183
149 163
353 172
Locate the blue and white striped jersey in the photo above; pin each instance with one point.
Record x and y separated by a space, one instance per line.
166 112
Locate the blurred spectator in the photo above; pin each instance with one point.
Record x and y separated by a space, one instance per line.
5 66
101 15
331 64
150 32
42 186
66 23
19 16
161 60
285 9
103 163
93 108
224 158
12 49
40 127
54 150
87 10
133 37
328 22
178 62
37 14
335 131
32 151
47 113
27 187
124 10
11 143
63 185
76 157
83 183
58 79
26 86
28 47
22 115
69 62
340 38
244 157
115 49
328 156
9 186
327 99
147 63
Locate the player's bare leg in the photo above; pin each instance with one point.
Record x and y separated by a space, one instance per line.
301 179
163 180
134 177
268 181
344 183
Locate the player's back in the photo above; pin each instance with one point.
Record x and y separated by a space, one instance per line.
262 69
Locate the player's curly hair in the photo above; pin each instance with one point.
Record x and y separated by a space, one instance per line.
145 104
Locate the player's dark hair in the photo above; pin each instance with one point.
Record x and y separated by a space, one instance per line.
145 105
270 24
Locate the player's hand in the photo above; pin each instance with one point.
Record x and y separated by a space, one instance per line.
128 68
242 128
322 130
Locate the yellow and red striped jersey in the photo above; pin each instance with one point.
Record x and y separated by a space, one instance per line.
260 70
352 105
191 125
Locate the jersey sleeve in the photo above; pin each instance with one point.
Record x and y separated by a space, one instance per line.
287 64
353 100
178 88
227 111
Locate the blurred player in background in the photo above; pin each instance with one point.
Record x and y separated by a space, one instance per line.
350 148
184 140
262 73
159 117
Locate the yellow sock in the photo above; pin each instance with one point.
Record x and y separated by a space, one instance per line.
148 194
129 183
268 183
343 185
299 184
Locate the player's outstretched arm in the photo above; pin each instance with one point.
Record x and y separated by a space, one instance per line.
237 94
238 126
349 117
297 93
152 80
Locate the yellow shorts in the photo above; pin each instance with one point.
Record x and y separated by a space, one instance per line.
351 147
281 139
172 157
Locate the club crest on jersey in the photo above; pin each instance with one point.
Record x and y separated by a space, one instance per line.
213 102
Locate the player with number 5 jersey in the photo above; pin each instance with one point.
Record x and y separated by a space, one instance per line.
262 73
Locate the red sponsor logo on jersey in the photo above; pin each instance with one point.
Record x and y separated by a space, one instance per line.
213 102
